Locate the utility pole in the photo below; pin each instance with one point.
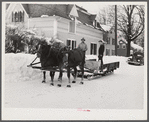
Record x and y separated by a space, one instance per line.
116 30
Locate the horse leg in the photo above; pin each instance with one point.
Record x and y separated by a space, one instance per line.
75 75
44 77
82 70
52 77
68 75
60 77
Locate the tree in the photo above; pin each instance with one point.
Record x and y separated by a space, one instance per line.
106 15
131 22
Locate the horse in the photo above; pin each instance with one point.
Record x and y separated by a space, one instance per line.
52 57
75 58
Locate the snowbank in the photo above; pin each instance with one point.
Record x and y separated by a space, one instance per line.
17 64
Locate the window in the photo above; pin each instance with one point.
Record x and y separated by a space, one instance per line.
72 26
118 46
108 40
93 49
113 41
113 52
123 46
108 52
71 43
18 16
95 23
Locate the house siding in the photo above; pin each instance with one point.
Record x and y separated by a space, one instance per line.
109 46
91 35
122 51
44 26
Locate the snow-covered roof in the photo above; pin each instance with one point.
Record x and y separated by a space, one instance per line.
106 27
121 39
135 46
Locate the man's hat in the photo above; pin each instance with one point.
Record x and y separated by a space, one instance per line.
82 39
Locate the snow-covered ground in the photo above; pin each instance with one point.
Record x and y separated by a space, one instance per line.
124 89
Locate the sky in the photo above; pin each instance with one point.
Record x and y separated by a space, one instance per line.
92 7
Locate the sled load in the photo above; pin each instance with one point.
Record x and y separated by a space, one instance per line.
91 70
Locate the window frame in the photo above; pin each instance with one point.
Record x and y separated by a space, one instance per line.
107 52
113 41
108 40
123 46
113 52
71 42
93 48
18 16
70 28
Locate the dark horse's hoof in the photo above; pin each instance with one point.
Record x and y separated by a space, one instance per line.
59 85
59 79
73 81
69 86
81 82
52 84
43 81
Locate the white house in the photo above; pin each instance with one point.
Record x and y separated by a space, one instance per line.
67 22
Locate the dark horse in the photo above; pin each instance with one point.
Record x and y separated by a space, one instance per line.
60 58
51 58
75 58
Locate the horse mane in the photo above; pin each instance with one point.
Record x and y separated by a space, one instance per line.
52 54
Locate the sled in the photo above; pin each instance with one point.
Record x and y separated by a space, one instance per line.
107 69
88 72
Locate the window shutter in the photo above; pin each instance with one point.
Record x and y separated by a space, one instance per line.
18 16
95 52
12 17
23 17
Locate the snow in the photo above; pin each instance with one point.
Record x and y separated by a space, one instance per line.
121 39
106 27
30 32
44 16
22 88
137 47
12 26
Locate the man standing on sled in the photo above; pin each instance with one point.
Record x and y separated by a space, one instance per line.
83 46
100 54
